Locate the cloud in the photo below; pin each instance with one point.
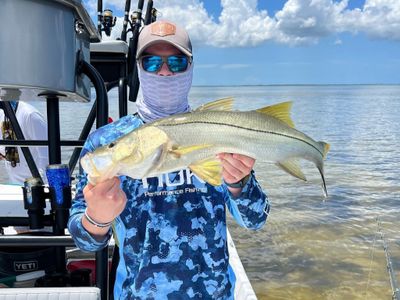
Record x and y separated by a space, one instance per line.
235 66
377 19
91 7
299 22
309 20
338 42
206 66
223 66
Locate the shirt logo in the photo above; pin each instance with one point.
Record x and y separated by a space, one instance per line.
185 177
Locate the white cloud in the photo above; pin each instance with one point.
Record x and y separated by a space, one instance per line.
91 6
235 66
338 42
206 66
224 66
242 24
378 19
309 19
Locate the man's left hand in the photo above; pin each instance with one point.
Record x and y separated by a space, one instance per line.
235 166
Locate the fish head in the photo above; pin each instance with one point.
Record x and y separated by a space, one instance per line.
134 155
105 161
151 146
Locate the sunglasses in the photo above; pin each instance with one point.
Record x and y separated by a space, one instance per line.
175 63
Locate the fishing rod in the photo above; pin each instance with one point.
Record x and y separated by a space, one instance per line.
151 13
99 15
126 20
133 79
389 265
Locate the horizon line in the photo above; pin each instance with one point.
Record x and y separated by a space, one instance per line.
292 84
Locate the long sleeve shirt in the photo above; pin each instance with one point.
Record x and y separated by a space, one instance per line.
172 233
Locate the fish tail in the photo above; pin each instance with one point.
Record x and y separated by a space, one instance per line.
324 150
321 171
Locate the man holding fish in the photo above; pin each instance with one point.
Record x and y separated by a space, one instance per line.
167 213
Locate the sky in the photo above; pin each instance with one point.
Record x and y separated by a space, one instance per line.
250 42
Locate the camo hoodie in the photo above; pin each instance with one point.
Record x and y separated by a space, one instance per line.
172 233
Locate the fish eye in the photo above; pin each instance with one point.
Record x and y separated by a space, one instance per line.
111 145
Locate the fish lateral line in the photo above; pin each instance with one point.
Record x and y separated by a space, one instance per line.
241 127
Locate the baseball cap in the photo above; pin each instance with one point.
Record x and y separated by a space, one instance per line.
164 31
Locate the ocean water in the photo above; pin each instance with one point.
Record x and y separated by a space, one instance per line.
311 247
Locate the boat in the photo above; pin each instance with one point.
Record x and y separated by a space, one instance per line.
85 60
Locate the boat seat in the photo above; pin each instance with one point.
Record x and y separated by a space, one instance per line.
110 59
56 293
110 47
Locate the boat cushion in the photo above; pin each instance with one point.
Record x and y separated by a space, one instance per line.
70 293
110 47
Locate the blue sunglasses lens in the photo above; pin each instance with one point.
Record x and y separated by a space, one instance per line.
152 63
175 63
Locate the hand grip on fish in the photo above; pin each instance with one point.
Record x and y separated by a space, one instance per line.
192 140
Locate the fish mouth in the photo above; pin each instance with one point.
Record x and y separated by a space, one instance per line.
88 165
95 174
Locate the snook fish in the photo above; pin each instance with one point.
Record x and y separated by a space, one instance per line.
193 139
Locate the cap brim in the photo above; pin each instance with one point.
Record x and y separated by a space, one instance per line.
145 46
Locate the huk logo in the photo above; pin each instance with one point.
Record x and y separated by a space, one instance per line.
185 177
25 265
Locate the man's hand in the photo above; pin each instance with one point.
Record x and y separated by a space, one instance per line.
105 202
234 168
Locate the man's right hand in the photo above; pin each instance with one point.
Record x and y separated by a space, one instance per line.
105 201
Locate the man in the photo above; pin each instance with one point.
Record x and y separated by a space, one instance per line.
171 247
34 127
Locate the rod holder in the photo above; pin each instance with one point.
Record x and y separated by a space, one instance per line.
34 201
60 192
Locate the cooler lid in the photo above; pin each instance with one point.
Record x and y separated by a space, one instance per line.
85 18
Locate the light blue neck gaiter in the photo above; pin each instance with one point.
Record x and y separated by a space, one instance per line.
163 95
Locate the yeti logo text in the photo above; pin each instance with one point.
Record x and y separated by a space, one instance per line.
25 265
185 177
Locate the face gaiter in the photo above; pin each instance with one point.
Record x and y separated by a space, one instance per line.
163 95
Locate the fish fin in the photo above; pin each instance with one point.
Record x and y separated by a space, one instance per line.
325 148
281 111
224 104
292 167
178 151
325 191
209 169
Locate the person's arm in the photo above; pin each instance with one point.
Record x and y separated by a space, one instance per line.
102 203
249 205
83 238
105 201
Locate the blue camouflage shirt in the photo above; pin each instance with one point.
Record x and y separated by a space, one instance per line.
172 233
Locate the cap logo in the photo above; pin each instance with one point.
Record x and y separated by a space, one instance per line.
162 29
